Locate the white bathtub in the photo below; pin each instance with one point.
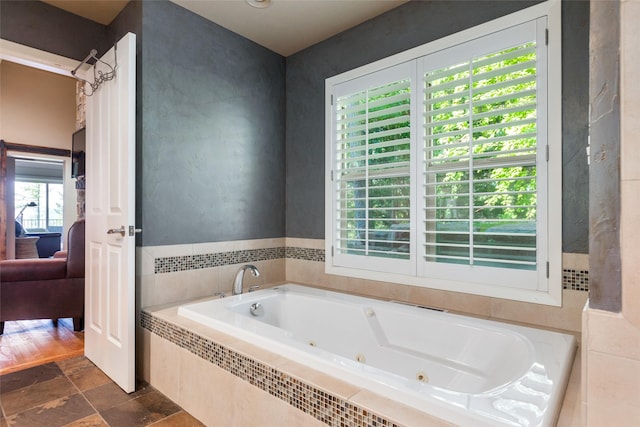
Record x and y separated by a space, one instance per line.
465 370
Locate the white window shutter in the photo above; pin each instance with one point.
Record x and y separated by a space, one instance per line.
372 171
437 168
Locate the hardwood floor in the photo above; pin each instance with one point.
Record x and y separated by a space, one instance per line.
28 343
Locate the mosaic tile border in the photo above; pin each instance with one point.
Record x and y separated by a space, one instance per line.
576 280
306 254
195 262
323 406
573 279
173 264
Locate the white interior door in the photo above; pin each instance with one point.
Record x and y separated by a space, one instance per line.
110 207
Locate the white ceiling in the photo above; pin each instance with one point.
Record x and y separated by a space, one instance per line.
286 27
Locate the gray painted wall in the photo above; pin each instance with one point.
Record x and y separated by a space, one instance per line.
129 20
42 26
405 27
575 129
212 146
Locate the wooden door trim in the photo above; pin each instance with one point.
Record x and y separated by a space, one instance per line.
35 149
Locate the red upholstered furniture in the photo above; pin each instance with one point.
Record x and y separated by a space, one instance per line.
45 288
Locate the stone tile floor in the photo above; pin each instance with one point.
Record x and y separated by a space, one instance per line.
75 393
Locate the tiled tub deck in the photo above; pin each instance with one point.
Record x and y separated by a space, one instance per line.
225 381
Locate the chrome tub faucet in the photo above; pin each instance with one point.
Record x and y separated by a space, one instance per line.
237 283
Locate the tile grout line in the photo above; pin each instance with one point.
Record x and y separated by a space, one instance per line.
31 385
73 392
83 396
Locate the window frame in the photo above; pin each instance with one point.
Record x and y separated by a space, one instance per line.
547 288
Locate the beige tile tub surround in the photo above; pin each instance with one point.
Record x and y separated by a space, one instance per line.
158 356
189 382
219 398
214 396
211 391
188 283
166 288
611 370
568 317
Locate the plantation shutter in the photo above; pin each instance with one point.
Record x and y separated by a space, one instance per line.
443 163
481 156
372 169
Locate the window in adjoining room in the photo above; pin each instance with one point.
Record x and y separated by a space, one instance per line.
444 163
39 195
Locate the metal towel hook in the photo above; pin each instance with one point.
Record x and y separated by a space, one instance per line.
99 76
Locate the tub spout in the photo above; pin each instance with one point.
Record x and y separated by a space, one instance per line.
237 283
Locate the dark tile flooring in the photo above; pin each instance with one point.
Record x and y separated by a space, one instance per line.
75 393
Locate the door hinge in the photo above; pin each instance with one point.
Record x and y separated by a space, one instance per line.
331 174
331 99
547 152
331 250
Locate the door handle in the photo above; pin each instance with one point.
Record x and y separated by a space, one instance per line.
122 231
